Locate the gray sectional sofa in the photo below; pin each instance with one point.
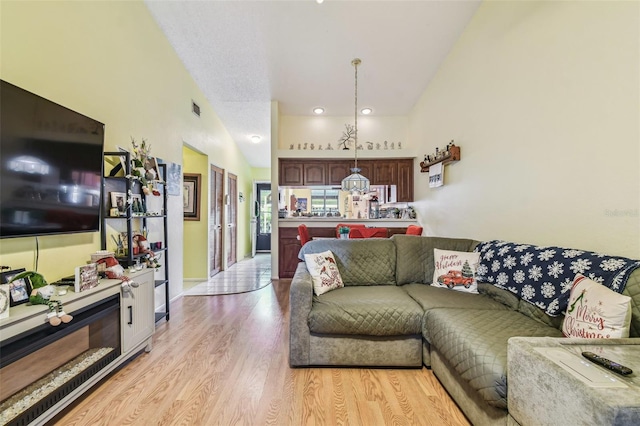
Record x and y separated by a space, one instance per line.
388 315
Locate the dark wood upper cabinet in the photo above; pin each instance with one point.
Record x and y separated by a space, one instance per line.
315 173
405 180
291 173
338 170
309 172
385 172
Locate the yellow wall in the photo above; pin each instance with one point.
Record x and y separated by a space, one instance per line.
110 61
195 254
543 98
261 173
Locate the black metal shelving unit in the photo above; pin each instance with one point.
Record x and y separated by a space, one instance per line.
122 184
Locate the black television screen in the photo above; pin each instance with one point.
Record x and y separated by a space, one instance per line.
50 166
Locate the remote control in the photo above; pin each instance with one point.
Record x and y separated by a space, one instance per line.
607 363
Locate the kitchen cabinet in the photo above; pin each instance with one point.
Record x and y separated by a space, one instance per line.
311 172
338 170
385 172
314 173
404 181
288 249
291 173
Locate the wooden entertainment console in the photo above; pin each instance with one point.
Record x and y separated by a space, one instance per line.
31 348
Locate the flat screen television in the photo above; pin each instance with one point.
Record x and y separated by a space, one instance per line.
50 166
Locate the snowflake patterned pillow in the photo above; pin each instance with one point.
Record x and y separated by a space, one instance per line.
324 272
595 312
456 270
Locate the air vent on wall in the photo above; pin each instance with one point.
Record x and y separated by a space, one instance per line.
195 108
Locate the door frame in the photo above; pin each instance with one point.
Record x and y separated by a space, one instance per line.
254 198
222 259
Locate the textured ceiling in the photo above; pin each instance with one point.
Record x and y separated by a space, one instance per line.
244 54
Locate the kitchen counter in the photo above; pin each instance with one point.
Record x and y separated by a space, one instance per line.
324 222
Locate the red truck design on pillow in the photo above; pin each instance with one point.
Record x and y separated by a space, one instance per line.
454 278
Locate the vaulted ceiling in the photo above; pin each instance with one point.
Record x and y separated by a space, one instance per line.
245 54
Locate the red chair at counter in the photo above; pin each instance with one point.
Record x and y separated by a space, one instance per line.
369 233
303 234
348 225
414 230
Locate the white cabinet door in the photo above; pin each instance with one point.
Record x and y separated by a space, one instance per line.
137 312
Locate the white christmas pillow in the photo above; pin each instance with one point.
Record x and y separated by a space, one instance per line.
596 312
456 270
324 272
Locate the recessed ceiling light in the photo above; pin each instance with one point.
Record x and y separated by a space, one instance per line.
366 111
255 138
318 110
319 1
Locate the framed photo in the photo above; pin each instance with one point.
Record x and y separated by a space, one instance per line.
152 164
19 290
191 196
137 208
119 201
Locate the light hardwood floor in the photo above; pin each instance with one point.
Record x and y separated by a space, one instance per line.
223 360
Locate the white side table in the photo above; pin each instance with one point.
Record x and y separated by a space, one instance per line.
549 384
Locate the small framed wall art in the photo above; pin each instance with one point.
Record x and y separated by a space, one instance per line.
19 290
191 196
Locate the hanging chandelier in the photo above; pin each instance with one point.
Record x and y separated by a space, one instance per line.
355 182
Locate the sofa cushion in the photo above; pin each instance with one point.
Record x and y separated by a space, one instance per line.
372 311
370 261
474 341
415 256
324 272
595 312
429 297
455 270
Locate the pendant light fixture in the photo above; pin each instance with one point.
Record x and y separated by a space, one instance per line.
355 182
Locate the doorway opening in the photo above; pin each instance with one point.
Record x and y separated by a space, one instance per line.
263 217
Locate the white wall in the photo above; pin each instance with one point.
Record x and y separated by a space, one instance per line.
325 130
543 98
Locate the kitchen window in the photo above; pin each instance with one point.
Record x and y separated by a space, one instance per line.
324 201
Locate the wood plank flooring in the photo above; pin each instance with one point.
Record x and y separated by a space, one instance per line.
223 360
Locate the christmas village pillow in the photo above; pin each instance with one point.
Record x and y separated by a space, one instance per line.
324 272
456 270
596 312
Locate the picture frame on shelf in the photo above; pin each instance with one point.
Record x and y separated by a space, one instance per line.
86 277
137 207
19 290
119 201
191 196
151 164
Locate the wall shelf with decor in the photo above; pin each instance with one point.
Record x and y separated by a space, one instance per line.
128 213
450 155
